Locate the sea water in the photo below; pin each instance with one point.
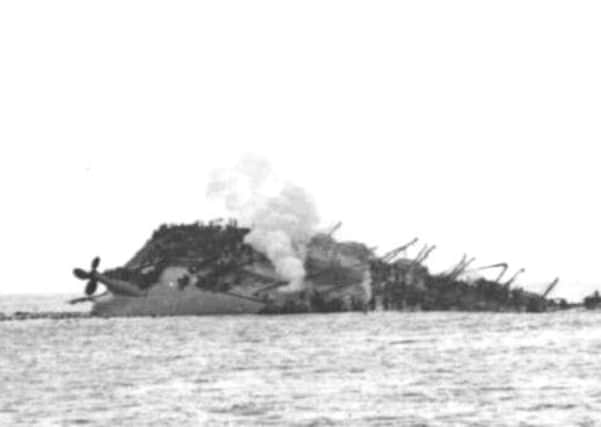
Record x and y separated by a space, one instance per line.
375 369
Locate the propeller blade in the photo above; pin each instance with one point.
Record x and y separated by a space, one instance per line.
95 263
81 274
91 287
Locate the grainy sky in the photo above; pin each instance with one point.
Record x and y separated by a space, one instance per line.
473 125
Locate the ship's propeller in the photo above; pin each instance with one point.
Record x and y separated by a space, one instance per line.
90 276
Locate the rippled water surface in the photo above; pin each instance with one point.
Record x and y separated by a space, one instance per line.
342 369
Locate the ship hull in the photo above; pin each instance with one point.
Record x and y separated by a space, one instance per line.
169 301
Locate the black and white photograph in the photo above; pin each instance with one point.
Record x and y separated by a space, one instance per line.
306 214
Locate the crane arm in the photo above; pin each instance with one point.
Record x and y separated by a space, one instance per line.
502 265
389 256
512 279
551 287
459 271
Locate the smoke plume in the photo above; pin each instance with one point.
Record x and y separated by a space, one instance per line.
282 216
366 285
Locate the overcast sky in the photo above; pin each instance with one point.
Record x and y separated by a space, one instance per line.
473 125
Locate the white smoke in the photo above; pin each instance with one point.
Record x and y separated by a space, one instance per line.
282 216
366 285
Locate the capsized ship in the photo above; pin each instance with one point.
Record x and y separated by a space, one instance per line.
198 269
